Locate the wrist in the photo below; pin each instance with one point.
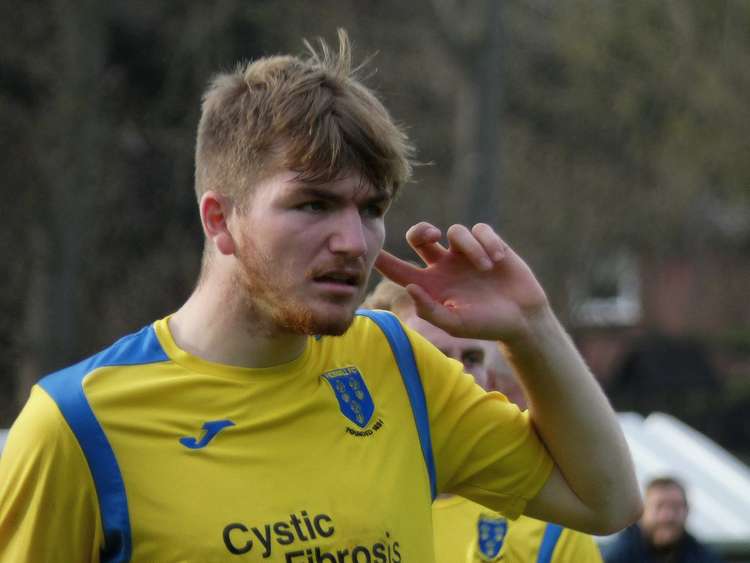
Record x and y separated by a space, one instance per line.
537 326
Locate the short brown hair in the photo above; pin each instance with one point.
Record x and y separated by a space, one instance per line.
664 482
310 115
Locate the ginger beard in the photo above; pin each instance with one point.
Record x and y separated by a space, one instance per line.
273 304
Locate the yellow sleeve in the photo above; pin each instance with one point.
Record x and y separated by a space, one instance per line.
48 504
485 448
576 547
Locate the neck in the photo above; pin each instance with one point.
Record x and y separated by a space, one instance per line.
214 325
663 549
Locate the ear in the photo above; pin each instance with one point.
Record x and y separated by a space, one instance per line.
215 210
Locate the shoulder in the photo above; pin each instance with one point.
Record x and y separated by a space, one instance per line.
138 348
369 323
373 323
45 475
626 546
375 327
69 388
41 448
40 427
698 552
58 410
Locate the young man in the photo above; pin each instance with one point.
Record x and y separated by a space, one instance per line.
467 532
660 535
263 421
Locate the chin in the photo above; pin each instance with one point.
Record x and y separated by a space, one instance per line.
331 323
666 539
327 320
328 328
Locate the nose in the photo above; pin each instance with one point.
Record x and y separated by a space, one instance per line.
348 236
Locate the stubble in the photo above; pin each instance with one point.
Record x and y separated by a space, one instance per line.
269 300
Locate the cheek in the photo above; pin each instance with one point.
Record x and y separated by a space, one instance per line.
375 238
648 516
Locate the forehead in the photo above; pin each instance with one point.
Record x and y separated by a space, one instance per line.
665 493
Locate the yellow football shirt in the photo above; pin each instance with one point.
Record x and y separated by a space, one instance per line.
466 532
144 452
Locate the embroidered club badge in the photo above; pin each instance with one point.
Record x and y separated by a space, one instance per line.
491 534
353 396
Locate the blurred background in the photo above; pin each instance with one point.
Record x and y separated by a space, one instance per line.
606 140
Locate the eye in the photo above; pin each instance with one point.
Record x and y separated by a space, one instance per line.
373 210
472 358
313 206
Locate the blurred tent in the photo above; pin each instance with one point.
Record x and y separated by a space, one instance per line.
717 483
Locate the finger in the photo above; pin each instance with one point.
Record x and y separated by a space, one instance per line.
424 238
493 245
397 270
432 311
462 240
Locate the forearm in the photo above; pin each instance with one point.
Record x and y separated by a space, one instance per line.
575 420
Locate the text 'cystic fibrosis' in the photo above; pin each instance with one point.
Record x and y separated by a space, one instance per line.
306 538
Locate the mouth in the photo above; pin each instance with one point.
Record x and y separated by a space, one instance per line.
339 280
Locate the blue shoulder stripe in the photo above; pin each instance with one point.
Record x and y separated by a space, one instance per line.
404 354
66 389
551 534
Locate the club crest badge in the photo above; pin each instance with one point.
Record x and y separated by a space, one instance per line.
491 535
353 396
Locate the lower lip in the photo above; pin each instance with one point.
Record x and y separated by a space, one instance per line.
337 288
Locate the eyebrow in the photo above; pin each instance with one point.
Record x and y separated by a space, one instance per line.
306 190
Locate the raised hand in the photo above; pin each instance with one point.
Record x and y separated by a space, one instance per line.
477 287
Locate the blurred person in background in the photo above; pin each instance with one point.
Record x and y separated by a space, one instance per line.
660 535
266 419
465 531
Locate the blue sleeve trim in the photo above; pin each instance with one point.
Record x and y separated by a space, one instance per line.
551 534
66 389
404 355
